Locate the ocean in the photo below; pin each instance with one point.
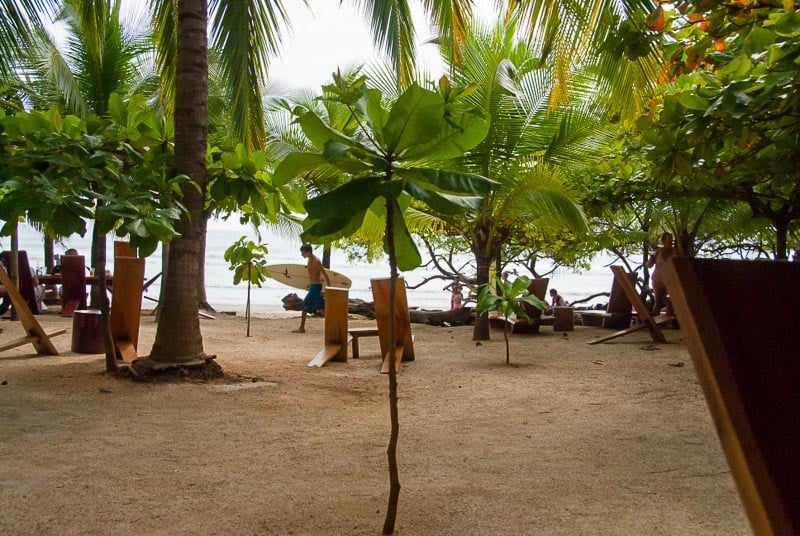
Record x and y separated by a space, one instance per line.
223 295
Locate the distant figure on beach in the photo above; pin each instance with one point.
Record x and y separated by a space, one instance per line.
657 260
456 294
555 301
313 301
504 277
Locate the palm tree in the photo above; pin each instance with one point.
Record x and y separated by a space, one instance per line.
529 149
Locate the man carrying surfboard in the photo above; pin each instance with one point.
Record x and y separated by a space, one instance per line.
313 301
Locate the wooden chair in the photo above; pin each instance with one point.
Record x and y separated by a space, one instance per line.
25 288
403 346
624 280
35 335
739 321
336 337
126 306
73 284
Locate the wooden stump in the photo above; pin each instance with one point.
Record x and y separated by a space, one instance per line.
563 319
87 332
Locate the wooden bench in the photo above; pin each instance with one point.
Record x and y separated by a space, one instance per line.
355 333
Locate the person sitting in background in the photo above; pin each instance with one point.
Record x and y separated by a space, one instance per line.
555 301
57 267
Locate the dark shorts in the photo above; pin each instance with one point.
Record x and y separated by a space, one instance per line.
314 301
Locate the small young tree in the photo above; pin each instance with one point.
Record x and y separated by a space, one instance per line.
509 298
396 157
248 262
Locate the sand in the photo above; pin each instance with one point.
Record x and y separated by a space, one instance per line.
613 439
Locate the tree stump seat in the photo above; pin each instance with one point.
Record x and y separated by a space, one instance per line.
87 332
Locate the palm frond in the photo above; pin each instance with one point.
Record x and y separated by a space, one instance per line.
246 33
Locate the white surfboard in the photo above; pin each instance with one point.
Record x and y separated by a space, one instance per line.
296 275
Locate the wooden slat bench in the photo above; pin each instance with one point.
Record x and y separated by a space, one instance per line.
355 333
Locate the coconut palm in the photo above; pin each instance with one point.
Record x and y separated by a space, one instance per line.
529 151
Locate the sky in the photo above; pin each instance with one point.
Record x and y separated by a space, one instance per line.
336 36
324 35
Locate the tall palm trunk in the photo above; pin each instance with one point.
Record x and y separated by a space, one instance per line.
178 338
202 299
482 250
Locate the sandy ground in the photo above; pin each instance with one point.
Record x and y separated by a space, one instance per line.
572 439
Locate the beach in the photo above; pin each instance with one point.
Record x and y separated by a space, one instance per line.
223 295
571 439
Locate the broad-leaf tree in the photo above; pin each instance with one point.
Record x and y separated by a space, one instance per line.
729 125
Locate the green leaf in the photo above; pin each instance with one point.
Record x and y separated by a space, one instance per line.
294 165
692 101
416 118
458 135
443 203
758 40
376 114
408 256
319 133
466 183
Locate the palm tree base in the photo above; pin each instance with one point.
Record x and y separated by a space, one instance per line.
203 367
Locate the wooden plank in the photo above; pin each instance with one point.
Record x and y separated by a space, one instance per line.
123 249
125 350
398 357
739 321
380 295
126 301
326 354
624 281
335 329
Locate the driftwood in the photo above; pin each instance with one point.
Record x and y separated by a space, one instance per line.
454 317
457 317
292 302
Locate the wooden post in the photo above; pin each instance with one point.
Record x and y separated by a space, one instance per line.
335 333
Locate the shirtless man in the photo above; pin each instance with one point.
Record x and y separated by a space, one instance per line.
313 301
658 259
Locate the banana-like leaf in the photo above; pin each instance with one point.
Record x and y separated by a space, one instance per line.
458 135
343 202
444 203
295 165
372 108
319 133
416 118
405 249
450 181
